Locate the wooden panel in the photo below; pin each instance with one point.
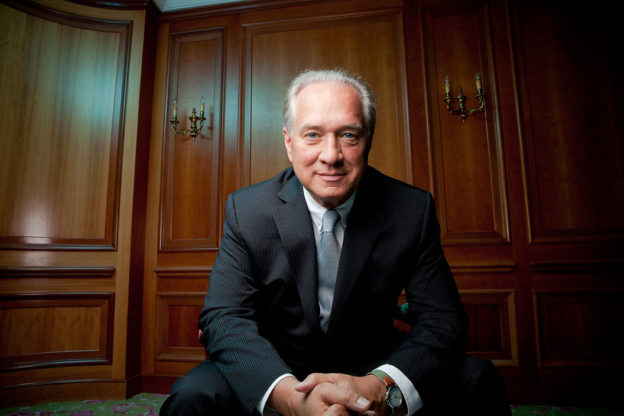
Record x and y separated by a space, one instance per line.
190 199
176 326
19 272
56 329
277 51
573 135
492 324
468 168
60 157
580 328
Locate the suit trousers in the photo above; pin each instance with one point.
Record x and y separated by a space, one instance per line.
478 391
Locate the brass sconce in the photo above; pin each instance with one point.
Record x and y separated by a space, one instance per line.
194 118
463 112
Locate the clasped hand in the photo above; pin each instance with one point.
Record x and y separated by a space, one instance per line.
330 394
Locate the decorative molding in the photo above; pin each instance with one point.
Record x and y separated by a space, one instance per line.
504 300
179 272
119 4
562 175
181 155
102 354
483 268
589 327
578 267
57 382
19 272
182 353
124 29
231 8
482 136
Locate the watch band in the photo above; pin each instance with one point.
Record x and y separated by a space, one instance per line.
385 378
391 387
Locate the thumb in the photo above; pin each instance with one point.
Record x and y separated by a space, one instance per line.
311 381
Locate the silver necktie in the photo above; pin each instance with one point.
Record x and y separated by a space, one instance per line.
328 257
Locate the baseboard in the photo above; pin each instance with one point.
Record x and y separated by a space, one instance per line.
157 384
592 393
63 390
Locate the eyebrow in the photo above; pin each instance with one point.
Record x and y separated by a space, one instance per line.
358 127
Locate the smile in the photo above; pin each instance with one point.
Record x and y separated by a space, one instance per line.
331 177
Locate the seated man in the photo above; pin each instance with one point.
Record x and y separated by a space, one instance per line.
298 319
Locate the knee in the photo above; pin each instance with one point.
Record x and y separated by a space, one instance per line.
477 370
482 388
185 398
201 391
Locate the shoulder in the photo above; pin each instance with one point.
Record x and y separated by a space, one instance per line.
262 195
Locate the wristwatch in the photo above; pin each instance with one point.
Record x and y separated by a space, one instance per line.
394 396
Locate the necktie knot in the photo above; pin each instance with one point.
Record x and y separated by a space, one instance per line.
330 218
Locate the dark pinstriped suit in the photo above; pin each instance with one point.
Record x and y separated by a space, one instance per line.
260 318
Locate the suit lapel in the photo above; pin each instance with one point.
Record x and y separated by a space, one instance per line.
363 227
293 222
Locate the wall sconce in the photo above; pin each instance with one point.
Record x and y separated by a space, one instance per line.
463 112
194 118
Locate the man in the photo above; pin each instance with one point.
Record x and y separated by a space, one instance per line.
298 318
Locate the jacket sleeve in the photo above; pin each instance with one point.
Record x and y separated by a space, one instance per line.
438 338
228 320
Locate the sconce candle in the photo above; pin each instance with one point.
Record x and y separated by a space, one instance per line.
462 111
195 127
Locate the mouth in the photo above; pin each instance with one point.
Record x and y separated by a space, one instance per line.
331 177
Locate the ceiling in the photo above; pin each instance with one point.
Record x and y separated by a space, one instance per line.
171 5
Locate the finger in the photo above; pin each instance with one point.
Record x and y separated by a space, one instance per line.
333 394
311 381
336 410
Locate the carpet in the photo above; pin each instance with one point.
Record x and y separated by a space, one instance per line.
148 404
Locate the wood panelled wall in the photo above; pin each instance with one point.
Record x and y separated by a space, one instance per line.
70 87
528 192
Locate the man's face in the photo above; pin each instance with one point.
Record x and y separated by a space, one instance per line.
327 145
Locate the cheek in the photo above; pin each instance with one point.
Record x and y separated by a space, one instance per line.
355 157
304 157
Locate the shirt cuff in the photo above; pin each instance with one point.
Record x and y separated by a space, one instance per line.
411 396
262 408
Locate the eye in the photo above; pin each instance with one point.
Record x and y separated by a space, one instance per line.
350 137
312 137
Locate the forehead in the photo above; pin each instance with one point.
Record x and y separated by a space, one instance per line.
328 100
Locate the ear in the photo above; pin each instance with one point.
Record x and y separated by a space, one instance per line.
287 143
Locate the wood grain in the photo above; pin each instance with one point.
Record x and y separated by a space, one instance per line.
59 155
191 203
278 51
574 152
467 157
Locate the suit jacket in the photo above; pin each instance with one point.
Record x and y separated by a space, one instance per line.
261 313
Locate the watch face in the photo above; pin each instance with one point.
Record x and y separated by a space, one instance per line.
395 397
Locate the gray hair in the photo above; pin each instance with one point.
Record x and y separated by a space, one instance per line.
369 107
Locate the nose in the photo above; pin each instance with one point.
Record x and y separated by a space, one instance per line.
331 152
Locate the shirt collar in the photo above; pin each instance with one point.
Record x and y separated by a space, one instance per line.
317 210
